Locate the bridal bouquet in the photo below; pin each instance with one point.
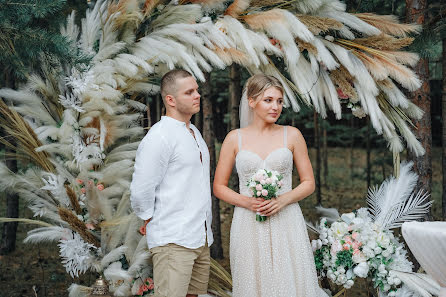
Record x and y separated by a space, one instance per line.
264 184
355 246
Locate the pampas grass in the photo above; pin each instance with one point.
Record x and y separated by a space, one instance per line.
389 24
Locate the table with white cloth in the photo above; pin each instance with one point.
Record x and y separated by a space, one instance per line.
427 241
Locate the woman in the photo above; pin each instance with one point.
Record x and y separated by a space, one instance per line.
271 258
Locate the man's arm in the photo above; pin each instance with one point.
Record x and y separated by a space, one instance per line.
152 159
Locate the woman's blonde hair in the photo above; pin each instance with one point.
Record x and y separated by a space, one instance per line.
257 84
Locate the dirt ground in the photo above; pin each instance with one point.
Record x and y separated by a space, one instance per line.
36 271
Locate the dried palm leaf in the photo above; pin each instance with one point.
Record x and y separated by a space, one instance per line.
230 55
342 78
25 221
78 226
302 45
317 24
389 24
237 8
23 139
385 42
220 281
260 21
406 77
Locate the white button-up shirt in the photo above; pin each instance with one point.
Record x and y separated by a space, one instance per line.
172 186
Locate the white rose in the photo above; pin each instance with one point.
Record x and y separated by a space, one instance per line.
359 257
341 278
348 217
361 270
314 245
386 288
339 229
397 281
349 284
377 250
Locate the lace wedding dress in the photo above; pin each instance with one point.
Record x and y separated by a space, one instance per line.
272 258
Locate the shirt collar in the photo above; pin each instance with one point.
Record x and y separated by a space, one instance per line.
174 121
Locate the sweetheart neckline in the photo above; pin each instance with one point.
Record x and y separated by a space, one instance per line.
254 153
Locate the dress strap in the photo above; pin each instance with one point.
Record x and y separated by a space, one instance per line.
284 137
239 139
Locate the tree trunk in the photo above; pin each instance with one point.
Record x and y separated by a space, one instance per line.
443 111
148 113
415 13
158 107
209 137
235 92
9 230
325 154
352 144
317 144
368 154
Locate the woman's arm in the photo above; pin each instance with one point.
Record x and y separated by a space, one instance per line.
223 173
305 171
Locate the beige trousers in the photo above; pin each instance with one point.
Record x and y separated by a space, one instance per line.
178 271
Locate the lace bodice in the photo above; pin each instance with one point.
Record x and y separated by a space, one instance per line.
247 163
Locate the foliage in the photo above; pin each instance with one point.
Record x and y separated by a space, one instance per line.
28 30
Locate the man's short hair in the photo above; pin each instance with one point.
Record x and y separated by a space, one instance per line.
168 81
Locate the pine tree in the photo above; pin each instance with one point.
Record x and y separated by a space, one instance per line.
29 30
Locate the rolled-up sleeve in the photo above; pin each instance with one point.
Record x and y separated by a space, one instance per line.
152 159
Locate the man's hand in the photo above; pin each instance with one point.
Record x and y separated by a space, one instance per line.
142 229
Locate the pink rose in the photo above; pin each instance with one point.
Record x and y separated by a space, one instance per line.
262 181
355 235
79 181
356 251
346 246
348 240
259 193
90 183
89 226
145 287
151 286
259 187
264 193
268 181
356 245
100 187
83 190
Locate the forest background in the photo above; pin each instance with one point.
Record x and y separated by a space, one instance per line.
347 155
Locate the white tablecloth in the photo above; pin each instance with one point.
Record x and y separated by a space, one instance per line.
427 241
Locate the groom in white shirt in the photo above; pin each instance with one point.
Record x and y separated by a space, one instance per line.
171 191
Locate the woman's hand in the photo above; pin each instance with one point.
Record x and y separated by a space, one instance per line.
253 203
270 207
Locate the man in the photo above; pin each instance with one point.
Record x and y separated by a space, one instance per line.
171 191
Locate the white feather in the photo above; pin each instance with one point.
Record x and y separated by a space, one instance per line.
392 203
331 214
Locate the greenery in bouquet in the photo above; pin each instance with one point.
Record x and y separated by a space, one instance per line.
361 244
356 247
264 184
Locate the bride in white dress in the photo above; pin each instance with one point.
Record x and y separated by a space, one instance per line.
271 258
